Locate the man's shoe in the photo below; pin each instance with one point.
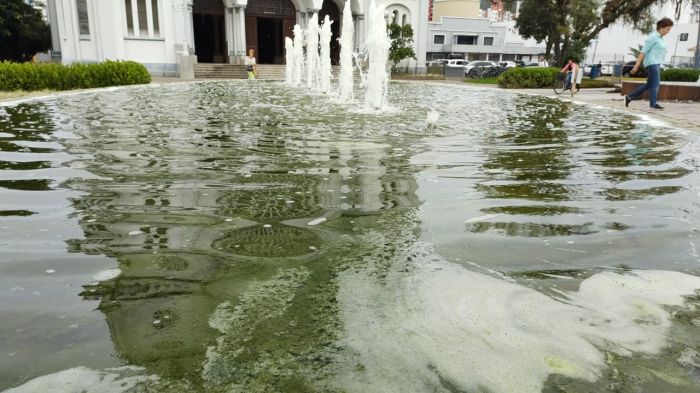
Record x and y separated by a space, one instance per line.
627 101
657 106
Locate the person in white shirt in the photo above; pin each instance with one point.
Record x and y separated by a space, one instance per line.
250 64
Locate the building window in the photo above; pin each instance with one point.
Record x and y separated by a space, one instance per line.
83 21
129 18
154 14
466 40
438 39
488 41
404 20
142 18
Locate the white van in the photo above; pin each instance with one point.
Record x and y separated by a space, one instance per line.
456 63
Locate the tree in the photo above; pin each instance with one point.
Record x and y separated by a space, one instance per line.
23 32
567 26
401 43
636 51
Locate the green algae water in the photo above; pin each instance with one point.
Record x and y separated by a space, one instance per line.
251 237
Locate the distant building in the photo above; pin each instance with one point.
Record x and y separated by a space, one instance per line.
479 39
459 8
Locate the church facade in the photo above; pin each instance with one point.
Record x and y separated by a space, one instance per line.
170 36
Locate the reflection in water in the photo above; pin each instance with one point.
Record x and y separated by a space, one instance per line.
210 201
210 224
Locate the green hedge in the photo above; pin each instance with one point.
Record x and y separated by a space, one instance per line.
40 76
680 75
587 83
527 77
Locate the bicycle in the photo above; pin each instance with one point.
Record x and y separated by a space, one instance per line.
560 84
484 72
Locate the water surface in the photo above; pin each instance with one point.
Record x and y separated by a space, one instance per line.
520 244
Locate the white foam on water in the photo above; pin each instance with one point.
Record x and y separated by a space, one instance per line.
433 322
482 218
317 221
107 275
651 121
85 380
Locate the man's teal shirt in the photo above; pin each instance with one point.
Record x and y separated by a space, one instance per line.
654 49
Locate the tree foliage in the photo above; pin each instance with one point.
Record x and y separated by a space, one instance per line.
635 51
401 43
567 26
23 32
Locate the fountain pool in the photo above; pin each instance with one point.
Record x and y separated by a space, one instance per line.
268 240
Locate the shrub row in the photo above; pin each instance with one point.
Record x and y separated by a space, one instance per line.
527 77
52 76
680 75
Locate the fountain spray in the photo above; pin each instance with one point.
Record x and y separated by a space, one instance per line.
298 57
289 58
325 71
378 44
312 60
345 81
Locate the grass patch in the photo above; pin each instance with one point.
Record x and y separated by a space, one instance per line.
484 81
410 76
595 83
8 95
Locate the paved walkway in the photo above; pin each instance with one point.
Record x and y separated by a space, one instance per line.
681 114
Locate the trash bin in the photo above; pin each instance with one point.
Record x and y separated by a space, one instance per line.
453 72
617 70
594 71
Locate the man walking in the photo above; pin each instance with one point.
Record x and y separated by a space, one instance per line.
652 55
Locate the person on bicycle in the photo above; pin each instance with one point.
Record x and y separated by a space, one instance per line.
571 69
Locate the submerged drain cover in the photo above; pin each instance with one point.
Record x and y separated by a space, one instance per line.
269 241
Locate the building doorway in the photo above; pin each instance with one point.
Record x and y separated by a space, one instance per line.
331 9
267 23
209 27
270 41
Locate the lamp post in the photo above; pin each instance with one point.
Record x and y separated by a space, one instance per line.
595 48
697 43
678 38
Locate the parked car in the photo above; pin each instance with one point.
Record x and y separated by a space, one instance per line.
436 62
456 63
473 64
508 64
607 69
532 64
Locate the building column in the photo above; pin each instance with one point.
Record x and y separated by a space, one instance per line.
190 27
184 41
53 24
230 34
240 39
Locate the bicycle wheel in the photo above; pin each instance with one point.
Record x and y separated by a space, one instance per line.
559 86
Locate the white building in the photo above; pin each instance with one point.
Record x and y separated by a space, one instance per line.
479 39
170 36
